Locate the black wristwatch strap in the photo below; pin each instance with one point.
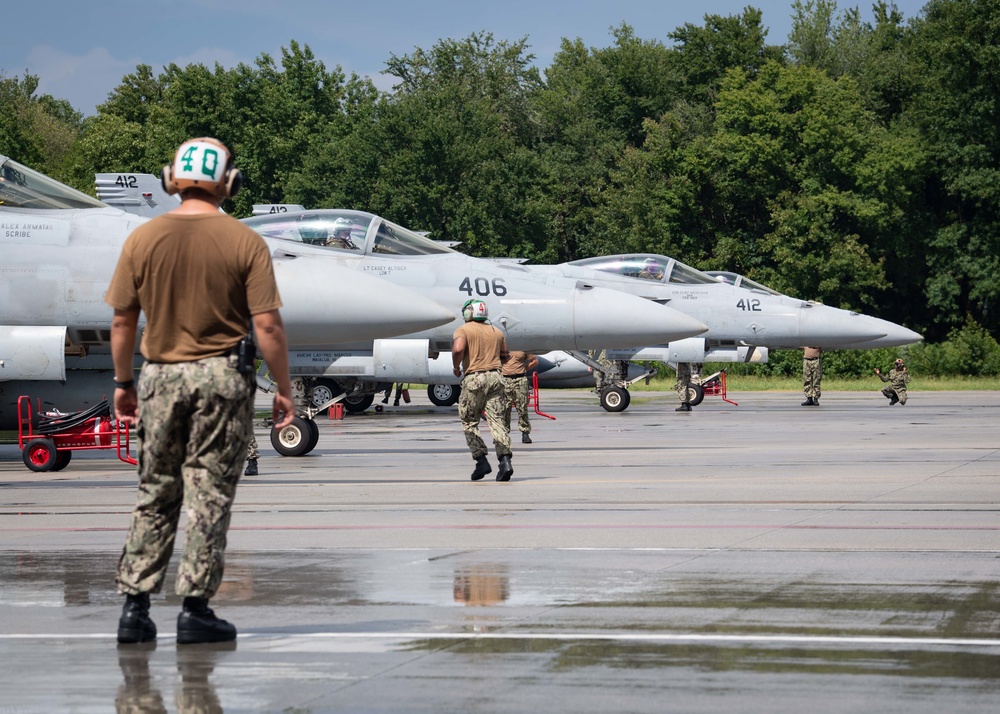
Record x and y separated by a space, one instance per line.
124 385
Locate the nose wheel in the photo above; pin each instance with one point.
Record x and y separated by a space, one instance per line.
615 399
297 439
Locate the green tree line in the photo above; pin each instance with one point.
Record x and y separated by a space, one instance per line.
856 164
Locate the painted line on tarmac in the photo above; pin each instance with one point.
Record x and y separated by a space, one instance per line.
537 526
665 638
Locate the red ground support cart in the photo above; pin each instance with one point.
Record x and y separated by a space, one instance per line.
715 385
47 441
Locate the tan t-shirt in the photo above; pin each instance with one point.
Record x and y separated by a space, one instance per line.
812 352
482 346
517 365
199 279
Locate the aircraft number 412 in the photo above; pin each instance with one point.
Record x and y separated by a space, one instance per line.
752 305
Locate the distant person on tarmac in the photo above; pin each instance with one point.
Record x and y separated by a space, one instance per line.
476 352
897 378
812 375
688 373
515 382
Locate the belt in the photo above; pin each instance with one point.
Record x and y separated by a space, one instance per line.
515 376
810 358
483 371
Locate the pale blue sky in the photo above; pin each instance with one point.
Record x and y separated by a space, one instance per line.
81 50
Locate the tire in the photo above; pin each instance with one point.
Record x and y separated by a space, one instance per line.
294 439
358 403
40 455
62 459
696 394
443 395
323 390
615 399
313 435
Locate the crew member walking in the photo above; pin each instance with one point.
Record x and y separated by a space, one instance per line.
201 277
476 352
515 383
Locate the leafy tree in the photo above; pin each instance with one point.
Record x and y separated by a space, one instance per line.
703 54
799 163
876 57
593 107
957 111
450 150
37 131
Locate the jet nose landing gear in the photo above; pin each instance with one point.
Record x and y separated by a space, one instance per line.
297 439
615 399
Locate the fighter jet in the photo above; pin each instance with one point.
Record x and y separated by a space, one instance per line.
60 248
745 319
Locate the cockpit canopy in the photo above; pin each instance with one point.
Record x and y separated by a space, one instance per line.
658 268
21 187
349 231
740 281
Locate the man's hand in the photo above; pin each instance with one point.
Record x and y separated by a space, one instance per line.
876 371
127 405
282 411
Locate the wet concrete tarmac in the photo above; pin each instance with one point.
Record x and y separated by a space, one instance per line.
765 557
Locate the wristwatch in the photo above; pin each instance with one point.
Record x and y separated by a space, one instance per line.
128 384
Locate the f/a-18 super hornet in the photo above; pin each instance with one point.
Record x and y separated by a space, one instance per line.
59 250
745 319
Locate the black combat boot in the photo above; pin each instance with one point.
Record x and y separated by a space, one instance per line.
251 469
685 407
893 399
197 624
525 439
506 469
482 468
809 402
135 624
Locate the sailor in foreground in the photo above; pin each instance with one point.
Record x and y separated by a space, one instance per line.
201 277
476 351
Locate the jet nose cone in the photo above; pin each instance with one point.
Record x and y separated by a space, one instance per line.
893 335
897 335
607 318
325 303
823 326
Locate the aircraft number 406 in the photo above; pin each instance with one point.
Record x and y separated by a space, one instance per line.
483 286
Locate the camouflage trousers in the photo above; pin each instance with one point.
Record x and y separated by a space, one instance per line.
253 451
601 379
812 375
195 419
688 373
899 392
483 391
516 394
